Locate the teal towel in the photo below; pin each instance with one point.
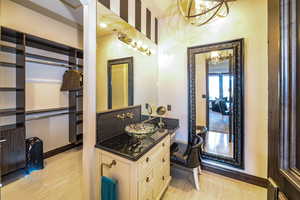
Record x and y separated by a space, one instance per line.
108 188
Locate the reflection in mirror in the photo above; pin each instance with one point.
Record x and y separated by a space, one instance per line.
214 83
122 50
120 83
218 91
218 100
119 86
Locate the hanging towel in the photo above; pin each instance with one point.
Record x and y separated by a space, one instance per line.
108 188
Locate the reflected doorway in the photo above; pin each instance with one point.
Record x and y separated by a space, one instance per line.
120 83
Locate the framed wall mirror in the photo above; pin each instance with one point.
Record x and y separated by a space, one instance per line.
216 100
120 82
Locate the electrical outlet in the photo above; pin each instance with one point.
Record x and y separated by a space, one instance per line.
169 107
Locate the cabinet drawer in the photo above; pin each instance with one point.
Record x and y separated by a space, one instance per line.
146 186
154 156
162 176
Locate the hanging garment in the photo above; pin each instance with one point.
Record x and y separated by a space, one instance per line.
72 80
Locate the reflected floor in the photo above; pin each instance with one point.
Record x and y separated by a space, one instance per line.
218 143
218 122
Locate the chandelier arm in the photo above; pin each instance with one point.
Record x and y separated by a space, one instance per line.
205 22
181 9
190 4
200 14
227 10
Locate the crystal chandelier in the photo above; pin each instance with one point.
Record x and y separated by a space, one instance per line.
217 57
200 12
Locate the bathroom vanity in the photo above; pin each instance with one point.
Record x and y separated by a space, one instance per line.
141 166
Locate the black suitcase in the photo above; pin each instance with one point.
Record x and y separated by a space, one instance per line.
34 154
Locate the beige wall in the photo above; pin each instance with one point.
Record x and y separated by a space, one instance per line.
42 82
144 69
247 19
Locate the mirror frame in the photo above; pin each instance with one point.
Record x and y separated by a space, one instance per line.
238 108
110 63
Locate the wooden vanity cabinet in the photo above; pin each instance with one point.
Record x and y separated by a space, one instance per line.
144 179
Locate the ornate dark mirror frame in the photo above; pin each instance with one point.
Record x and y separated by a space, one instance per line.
110 63
238 109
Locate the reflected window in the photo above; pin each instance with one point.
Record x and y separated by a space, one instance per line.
214 87
226 86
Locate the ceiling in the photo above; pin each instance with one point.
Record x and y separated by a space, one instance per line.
67 14
56 9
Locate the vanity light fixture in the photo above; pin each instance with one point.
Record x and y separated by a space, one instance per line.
200 12
136 45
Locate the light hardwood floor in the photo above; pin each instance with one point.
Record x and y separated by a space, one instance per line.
61 180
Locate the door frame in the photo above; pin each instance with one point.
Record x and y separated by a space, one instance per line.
282 53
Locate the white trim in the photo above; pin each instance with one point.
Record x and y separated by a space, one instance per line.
115 6
35 80
131 12
90 186
143 19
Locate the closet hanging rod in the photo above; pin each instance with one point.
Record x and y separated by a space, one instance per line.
50 63
47 116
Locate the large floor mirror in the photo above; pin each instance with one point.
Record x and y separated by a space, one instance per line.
216 100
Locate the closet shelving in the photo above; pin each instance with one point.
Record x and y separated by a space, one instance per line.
12 45
16 43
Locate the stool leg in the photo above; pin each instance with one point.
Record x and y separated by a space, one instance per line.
199 169
196 178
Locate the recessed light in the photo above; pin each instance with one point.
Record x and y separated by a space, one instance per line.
103 25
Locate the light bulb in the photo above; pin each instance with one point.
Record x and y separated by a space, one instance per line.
103 25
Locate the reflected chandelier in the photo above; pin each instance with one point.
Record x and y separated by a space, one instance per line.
200 12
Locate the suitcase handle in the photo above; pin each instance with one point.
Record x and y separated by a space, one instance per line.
2 141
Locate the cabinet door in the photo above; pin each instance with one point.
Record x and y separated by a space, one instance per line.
121 173
13 150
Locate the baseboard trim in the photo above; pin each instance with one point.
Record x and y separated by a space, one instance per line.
258 181
60 150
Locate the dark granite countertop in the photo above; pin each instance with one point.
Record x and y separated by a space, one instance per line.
131 148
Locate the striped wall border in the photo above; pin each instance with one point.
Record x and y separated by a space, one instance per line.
135 14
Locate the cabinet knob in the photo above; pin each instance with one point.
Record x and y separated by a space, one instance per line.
163 178
147 159
163 160
163 144
147 179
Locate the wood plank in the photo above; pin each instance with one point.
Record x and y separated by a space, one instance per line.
156 30
138 15
148 23
106 3
262 182
124 10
